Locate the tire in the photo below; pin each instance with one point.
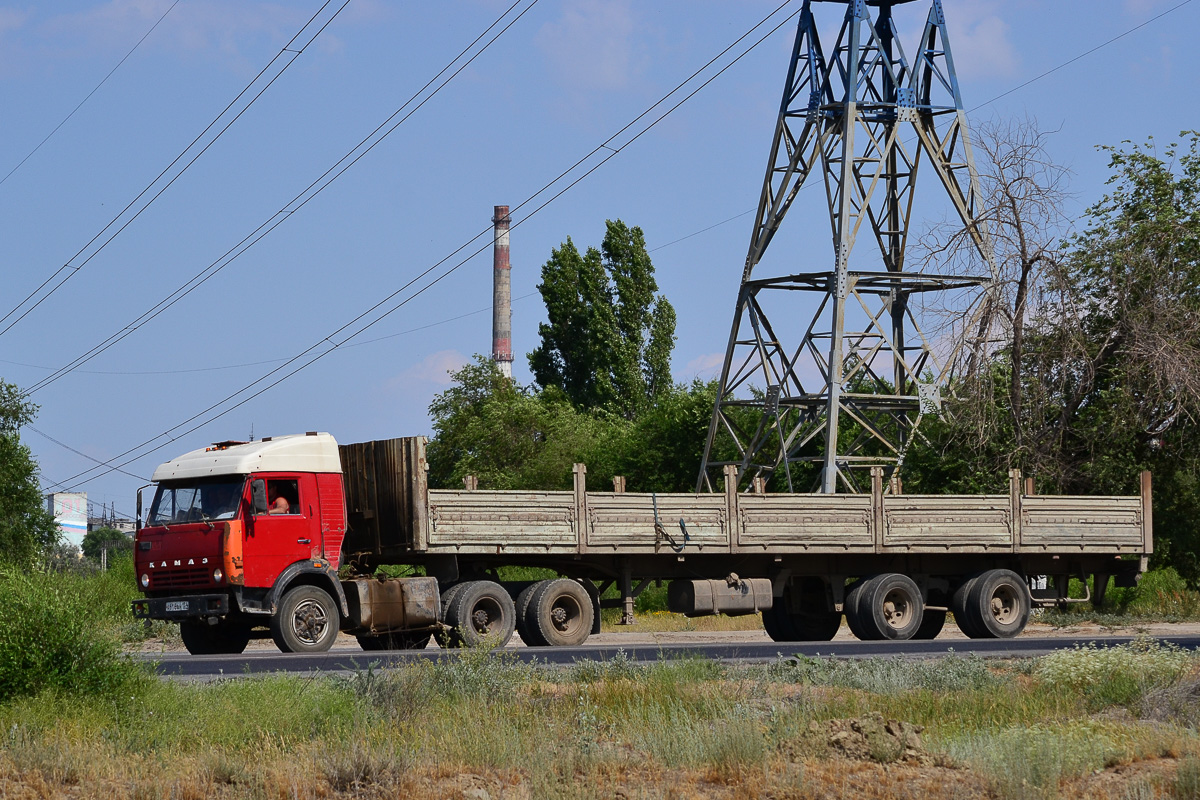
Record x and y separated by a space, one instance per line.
850 608
1001 604
777 624
443 635
932 623
890 607
964 613
394 641
528 635
560 613
307 621
816 626
225 638
481 613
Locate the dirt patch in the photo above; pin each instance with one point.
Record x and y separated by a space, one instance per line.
867 738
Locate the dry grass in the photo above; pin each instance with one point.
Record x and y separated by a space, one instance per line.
668 622
489 727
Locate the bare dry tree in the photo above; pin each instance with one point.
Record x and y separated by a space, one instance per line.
1023 191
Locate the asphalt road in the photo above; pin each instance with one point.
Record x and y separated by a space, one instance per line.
345 659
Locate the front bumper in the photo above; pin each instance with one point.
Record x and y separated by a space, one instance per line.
182 607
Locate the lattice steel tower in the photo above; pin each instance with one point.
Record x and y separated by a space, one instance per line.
846 119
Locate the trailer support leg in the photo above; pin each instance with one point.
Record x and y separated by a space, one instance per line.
1099 588
627 596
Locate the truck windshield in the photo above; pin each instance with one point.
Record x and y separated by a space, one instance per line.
195 502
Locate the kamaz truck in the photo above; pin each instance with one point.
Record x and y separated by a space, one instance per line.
284 537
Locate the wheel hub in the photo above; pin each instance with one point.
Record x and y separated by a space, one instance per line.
309 622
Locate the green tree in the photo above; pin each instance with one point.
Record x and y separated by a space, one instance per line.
106 539
515 437
609 338
26 529
1110 368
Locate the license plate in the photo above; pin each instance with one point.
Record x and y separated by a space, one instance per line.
177 605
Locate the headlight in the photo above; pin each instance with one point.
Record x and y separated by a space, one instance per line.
145 581
217 574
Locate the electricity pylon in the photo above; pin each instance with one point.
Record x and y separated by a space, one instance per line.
844 119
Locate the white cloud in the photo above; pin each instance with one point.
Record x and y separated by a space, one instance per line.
222 27
979 37
433 370
980 40
12 19
704 366
592 45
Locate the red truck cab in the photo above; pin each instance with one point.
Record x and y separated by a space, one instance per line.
242 535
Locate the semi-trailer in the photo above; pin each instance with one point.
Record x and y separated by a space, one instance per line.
285 537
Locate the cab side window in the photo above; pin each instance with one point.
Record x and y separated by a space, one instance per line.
283 496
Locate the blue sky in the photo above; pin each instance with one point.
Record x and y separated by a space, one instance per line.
559 82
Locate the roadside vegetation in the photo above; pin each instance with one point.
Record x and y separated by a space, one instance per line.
1119 723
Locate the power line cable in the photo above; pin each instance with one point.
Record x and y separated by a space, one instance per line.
223 367
311 191
173 434
1000 96
610 155
65 446
71 270
146 35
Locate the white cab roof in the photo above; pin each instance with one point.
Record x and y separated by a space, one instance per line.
299 453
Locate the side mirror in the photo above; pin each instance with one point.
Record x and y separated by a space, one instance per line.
137 523
258 495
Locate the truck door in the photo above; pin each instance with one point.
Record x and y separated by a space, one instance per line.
284 535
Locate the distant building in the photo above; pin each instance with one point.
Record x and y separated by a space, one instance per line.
109 518
70 510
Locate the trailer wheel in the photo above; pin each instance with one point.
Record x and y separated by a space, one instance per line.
560 613
528 632
889 607
850 607
932 623
817 626
1001 604
394 641
443 635
964 612
307 621
480 613
225 638
810 626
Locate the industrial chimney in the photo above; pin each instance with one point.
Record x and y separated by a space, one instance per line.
501 294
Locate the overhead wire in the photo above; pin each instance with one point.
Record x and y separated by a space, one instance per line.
223 367
612 153
173 434
71 270
973 109
95 89
311 191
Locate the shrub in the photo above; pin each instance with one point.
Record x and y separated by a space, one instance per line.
1116 675
50 638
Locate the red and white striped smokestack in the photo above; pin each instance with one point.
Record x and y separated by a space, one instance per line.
501 294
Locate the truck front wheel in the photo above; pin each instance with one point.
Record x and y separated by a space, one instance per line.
307 621
227 637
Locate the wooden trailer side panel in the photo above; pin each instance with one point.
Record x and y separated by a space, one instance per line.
947 523
1054 522
620 521
502 521
806 522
